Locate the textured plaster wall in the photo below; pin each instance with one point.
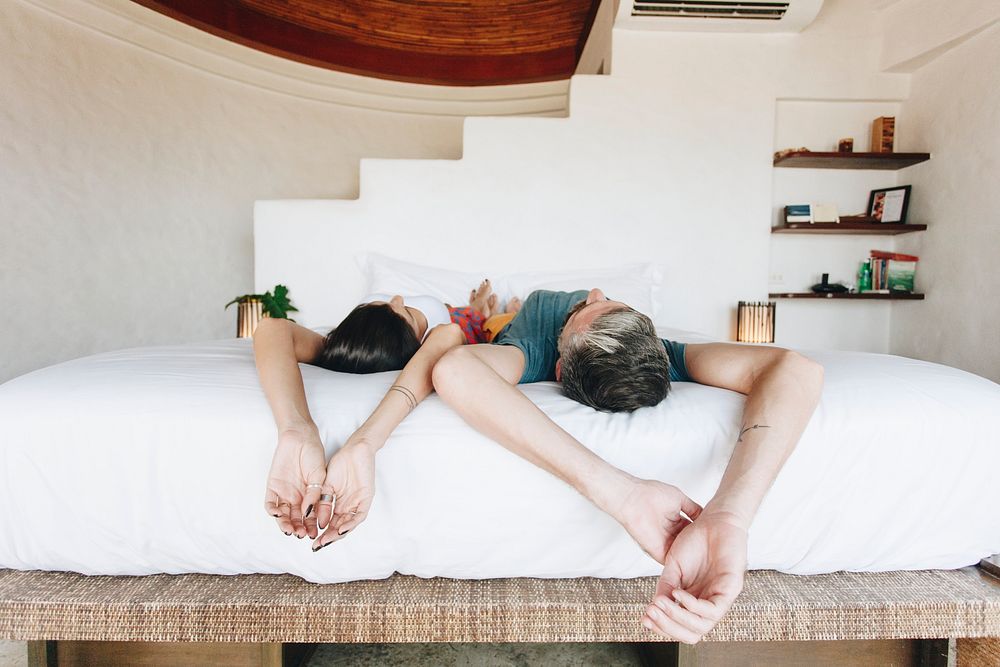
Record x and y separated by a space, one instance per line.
127 183
954 110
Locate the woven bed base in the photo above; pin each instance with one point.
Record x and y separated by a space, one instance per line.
283 608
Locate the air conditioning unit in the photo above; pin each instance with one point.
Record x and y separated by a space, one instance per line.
717 15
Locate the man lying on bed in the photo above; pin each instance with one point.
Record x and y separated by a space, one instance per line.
608 356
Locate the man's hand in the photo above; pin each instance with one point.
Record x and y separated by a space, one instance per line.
651 513
299 461
350 478
702 575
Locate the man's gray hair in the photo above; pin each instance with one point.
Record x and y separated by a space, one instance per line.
617 364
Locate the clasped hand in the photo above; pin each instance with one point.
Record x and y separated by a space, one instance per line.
704 558
306 495
702 576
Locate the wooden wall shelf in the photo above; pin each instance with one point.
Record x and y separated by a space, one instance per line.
818 160
870 228
846 295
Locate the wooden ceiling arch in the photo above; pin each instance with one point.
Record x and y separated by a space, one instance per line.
445 42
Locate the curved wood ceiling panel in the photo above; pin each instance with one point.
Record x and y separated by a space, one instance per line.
450 42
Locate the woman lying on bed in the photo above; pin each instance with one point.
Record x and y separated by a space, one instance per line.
385 333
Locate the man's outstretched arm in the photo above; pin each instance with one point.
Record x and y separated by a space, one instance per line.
477 381
704 568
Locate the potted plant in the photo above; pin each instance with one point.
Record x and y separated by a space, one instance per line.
253 307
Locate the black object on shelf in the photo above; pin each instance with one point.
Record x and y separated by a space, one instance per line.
826 287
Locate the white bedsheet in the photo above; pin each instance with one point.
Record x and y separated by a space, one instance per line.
154 459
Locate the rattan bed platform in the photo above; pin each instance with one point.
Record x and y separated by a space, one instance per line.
282 608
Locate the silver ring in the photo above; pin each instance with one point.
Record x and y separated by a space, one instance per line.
327 498
314 486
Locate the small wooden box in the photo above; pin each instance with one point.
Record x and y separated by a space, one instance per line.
883 134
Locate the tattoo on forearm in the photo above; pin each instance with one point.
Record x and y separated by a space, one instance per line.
411 400
750 428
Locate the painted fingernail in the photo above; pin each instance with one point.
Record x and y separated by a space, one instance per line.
309 510
276 516
661 603
289 534
676 594
655 613
317 548
345 532
648 624
300 536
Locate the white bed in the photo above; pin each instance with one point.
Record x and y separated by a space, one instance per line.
153 460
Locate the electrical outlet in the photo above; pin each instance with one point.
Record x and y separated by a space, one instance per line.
776 279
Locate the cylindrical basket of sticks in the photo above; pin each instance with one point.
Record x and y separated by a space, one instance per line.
755 322
249 314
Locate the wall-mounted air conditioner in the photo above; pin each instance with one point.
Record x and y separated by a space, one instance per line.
717 15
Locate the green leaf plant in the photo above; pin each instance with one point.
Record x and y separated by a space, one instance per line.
276 304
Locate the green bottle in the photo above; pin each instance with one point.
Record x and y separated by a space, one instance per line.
865 278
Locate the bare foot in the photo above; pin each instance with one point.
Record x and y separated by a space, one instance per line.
483 299
513 305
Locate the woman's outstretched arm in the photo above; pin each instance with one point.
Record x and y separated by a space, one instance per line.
350 476
299 458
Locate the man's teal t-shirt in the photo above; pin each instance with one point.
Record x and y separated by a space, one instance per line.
535 331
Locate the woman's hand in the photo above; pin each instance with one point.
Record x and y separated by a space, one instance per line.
350 477
299 461
651 513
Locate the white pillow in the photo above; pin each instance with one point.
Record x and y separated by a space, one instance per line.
685 336
635 284
385 275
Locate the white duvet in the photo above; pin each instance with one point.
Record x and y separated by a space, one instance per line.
154 459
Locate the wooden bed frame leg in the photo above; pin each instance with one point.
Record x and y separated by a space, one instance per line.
84 653
915 652
42 653
271 655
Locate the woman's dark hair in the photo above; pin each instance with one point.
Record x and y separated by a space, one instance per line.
371 339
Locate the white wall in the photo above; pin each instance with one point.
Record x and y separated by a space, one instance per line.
127 182
954 109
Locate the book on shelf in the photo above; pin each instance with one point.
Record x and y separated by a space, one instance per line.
798 213
900 275
883 134
811 213
882 254
825 213
892 271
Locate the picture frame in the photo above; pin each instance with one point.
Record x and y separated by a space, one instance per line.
889 204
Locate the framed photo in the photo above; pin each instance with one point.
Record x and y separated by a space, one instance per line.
889 204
